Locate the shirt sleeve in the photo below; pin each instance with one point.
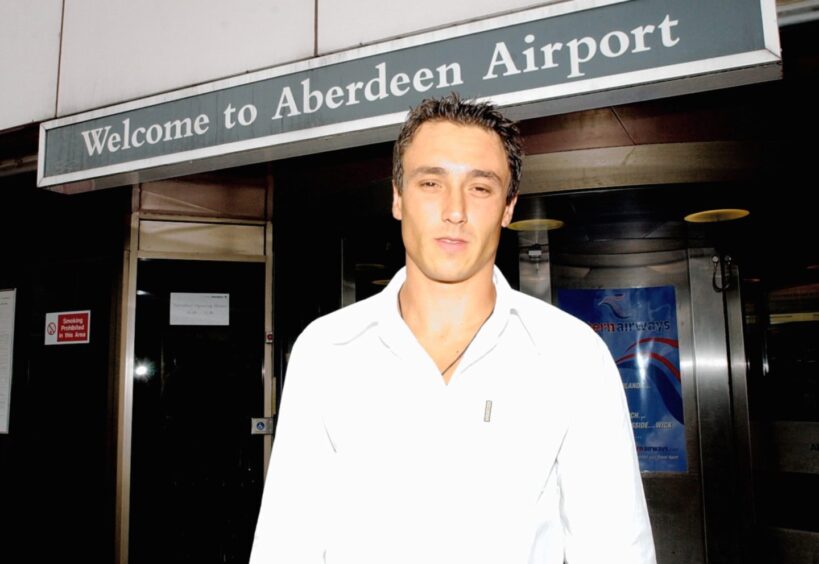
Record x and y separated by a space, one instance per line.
290 525
602 504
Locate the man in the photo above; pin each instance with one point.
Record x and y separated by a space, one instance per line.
451 419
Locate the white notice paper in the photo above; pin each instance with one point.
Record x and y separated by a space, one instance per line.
200 309
7 299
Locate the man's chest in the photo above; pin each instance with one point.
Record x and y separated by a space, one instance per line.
499 422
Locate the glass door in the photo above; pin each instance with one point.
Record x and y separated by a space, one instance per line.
196 469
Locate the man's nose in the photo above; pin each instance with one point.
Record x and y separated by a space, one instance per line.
454 209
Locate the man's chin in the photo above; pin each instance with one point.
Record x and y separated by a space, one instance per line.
447 272
449 276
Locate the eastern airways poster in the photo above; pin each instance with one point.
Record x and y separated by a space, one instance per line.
639 325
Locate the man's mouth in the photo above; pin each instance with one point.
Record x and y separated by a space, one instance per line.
451 243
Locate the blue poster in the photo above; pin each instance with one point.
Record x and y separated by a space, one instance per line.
639 325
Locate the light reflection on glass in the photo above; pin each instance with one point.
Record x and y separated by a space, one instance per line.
143 371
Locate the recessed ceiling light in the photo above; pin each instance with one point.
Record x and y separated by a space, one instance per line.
536 225
711 216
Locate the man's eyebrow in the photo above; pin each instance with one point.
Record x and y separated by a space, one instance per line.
478 173
428 170
439 170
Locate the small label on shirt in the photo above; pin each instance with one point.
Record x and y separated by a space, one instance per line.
487 411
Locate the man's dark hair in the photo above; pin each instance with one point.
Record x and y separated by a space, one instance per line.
452 108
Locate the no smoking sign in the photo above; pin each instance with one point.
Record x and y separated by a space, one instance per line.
68 327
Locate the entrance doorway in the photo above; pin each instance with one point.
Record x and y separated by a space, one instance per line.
626 262
196 470
745 294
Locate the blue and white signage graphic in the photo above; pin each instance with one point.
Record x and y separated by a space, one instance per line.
639 325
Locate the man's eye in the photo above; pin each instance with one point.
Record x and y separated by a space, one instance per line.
429 183
482 189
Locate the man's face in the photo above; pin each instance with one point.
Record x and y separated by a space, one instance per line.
453 202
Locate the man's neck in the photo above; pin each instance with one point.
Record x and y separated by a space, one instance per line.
440 308
446 317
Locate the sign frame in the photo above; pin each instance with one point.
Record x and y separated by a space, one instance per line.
676 79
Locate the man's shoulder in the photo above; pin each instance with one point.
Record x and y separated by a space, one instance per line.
548 325
343 324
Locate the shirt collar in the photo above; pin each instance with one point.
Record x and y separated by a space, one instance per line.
381 311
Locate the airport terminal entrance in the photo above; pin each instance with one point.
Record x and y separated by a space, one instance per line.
711 318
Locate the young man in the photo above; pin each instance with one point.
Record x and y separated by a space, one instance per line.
451 419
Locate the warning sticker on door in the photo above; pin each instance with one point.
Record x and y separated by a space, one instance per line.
68 327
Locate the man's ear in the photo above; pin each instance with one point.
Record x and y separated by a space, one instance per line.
396 203
508 211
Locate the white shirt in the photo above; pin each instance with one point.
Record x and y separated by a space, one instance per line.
377 460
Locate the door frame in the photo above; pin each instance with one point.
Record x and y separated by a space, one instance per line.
177 250
722 398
